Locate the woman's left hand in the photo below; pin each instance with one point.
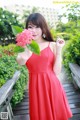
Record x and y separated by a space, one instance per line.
59 45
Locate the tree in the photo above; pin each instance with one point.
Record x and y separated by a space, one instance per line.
73 12
6 20
73 25
26 12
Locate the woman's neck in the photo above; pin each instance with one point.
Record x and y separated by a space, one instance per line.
40 40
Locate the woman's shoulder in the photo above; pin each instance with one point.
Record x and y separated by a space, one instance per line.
53 46
52 43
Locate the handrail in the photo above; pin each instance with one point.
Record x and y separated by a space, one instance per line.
6 88
75 68
75 72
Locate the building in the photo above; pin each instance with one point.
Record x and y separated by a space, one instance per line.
50 14
50 9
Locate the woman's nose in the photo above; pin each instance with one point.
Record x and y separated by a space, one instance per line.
33 30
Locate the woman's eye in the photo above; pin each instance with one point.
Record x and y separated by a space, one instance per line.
37 27
29 27
33 27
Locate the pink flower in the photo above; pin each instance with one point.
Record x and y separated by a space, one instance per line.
24 38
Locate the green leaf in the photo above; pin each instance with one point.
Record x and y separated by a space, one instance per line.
16 29
18 49
34 47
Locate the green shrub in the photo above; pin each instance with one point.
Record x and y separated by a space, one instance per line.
71 52
7 19
2 81
8 67
65 36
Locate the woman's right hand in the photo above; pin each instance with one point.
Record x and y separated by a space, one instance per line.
23 56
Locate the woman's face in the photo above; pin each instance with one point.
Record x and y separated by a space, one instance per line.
36 31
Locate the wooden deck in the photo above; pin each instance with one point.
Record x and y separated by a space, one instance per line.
22 110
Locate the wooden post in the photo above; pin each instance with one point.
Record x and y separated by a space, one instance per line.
6 93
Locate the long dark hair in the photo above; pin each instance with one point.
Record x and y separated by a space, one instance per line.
38 20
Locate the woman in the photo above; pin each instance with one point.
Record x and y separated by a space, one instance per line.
47 99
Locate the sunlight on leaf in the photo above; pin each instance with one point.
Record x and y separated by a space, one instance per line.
18 49
34 47
16 29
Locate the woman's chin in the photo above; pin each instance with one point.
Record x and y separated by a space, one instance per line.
36 39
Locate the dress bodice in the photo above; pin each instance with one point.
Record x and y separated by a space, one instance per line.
41 63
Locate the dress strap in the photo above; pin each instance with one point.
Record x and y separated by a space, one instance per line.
48 44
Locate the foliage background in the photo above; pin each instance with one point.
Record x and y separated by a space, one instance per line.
70 33
8 67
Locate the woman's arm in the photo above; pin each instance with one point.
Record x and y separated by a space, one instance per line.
58 63
58 56
23 56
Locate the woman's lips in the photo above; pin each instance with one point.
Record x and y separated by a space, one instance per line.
34 35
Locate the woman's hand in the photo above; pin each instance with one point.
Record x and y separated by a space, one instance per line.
58 61
23 57
59 45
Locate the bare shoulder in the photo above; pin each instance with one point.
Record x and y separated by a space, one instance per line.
52 44
53 47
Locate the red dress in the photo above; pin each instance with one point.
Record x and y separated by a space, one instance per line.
47 99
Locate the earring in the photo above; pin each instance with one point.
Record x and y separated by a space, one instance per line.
44 35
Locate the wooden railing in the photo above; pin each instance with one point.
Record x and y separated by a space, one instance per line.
6 93
75 72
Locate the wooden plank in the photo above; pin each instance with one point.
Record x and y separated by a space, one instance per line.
26 100
22 104
74 97
73 101
69 90
26 96
22 108
69 87
72 93
21 112
75 105
21 117
76 111
67 84
75 117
